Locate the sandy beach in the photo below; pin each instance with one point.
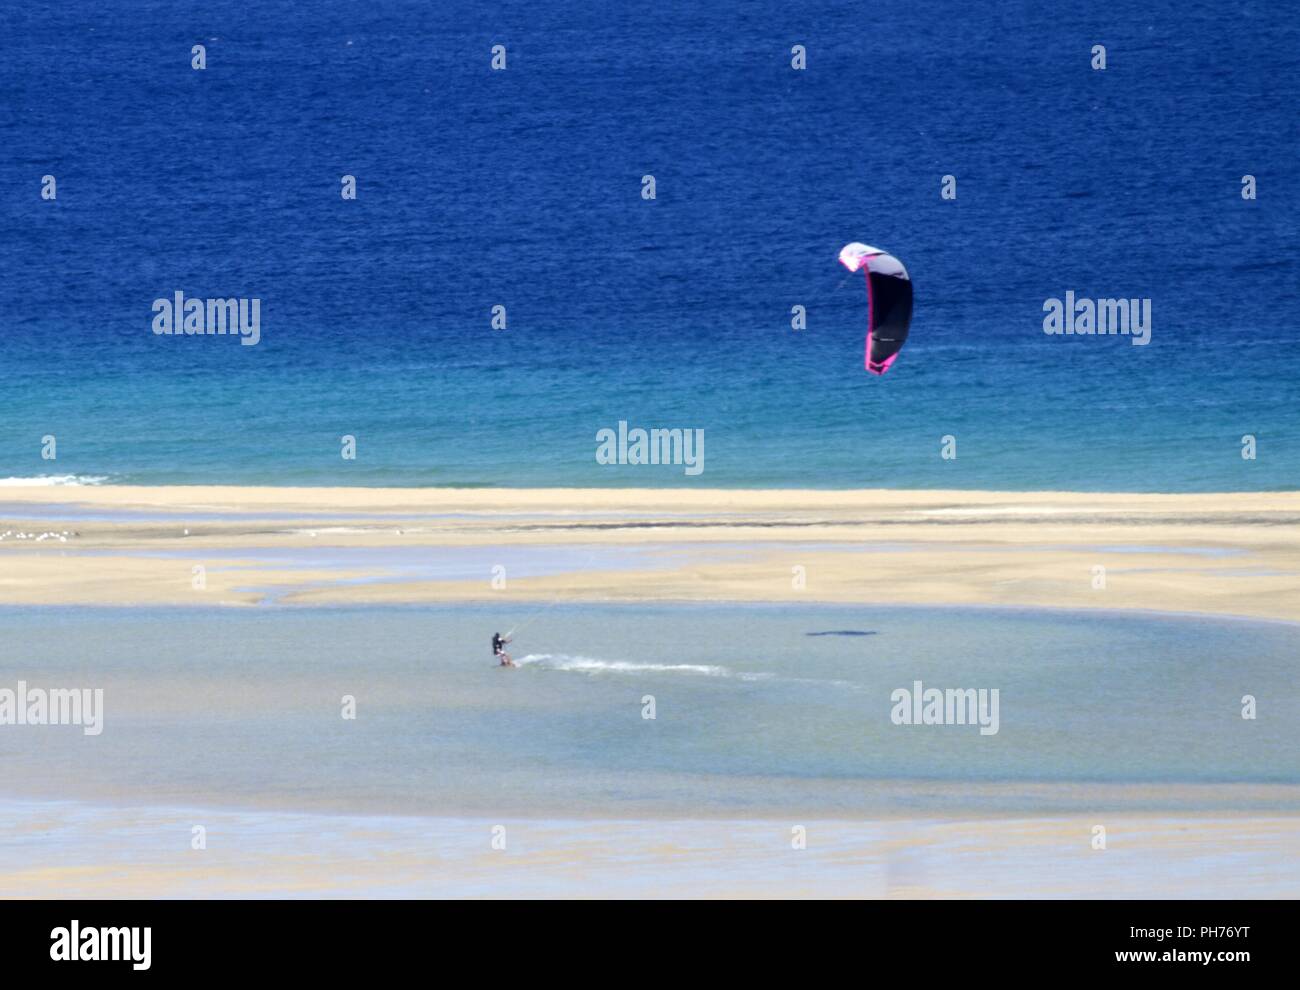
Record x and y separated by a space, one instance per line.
148 853
1236 554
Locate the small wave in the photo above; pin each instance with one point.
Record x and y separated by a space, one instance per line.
48 480
590 665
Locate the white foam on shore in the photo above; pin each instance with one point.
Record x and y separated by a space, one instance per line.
51 480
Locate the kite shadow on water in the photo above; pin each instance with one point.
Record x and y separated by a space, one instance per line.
844 632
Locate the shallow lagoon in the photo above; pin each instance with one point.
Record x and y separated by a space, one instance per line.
759 710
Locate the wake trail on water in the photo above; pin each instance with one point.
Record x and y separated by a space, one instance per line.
595 665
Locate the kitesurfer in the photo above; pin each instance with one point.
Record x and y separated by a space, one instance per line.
499 649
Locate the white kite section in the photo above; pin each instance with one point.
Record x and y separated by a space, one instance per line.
853 255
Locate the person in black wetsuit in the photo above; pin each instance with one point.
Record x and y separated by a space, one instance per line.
499 649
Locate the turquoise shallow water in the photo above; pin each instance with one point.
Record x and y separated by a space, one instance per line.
759 710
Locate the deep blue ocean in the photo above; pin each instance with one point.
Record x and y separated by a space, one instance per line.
523 188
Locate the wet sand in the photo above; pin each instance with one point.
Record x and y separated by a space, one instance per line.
1234 554
149 853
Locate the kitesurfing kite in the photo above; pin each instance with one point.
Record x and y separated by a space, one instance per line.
889 302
